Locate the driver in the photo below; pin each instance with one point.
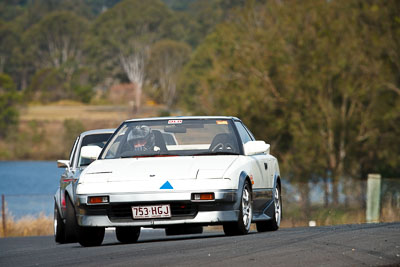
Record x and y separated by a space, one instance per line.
141 138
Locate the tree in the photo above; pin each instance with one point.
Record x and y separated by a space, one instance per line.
207 14
8 41
57 40
55 48
166 61
9 9
8 100
122 36
230 74
133 64
178 4
382 40
309 77
47 85
338 92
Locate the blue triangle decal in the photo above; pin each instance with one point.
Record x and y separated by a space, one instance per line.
167 185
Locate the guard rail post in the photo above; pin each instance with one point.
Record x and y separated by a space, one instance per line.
3 214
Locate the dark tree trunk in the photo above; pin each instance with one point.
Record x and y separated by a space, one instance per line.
335 192
305 200
326 192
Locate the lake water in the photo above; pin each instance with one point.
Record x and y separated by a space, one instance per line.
29 186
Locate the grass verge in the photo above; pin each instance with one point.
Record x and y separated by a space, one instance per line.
27 226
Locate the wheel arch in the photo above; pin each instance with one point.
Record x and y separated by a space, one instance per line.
243 177
57 199
69 193
277 181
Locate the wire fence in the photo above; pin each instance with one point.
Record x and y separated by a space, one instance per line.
22 205
312 203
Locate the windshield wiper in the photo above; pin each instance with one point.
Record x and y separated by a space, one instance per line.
145 155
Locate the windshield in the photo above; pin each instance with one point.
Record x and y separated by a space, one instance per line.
186 137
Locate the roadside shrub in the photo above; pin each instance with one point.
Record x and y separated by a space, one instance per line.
27 226
9 98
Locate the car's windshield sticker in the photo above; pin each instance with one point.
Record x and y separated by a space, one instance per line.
222 122
166 185
174 121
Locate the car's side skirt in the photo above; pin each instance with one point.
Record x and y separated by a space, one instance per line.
263 205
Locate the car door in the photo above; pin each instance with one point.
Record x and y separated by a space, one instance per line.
263 160
269 166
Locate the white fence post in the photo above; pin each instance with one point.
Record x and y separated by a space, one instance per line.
373 198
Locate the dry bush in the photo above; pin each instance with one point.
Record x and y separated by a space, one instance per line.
27 226
390 213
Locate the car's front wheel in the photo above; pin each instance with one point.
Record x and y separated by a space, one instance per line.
275 222
91 236
242 226
127 235
59 226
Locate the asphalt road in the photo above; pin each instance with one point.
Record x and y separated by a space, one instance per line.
345 245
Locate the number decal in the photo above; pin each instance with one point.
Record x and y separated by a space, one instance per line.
166 210
148 212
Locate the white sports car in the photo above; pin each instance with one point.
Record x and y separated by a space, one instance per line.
213 173
65 223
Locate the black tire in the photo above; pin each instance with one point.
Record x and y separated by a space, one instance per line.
71 225
242 226
274 223
183 230
91 236
127 235
59 226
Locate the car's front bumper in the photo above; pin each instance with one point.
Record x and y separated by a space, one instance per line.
225 208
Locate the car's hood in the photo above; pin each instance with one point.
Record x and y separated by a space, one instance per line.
151 168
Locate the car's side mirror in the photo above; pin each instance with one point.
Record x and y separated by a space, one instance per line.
256 147
63 163
90 152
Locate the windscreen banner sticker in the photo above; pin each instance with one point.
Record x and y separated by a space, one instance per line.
222 122
174 121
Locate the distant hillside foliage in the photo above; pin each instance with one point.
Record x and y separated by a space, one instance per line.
318 80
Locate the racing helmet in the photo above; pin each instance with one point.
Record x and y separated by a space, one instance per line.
141 137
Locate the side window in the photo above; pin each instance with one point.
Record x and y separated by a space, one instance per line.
244 135
251 135
72 155
98 140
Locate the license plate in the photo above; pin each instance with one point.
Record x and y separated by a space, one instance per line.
149 212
